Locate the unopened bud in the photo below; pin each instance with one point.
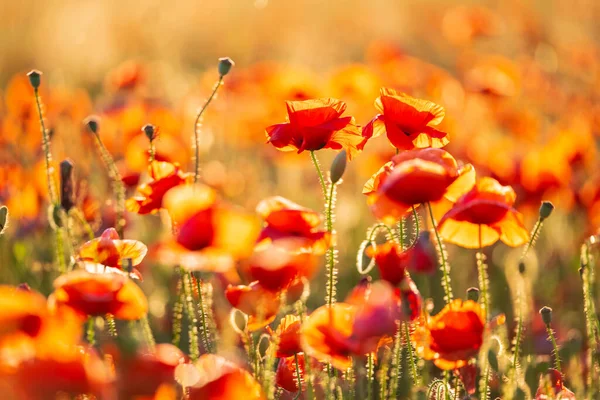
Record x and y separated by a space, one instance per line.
521 267
546 313
93 123
338 167
127 265
35 78
493 360
150 131
225 65
473 294
3 219
546 209
67 185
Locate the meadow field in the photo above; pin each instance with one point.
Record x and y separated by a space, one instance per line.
266 199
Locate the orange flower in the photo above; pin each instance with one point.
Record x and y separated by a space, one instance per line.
451 337
80 372
145 372
100 294
314 125
551 387
22 312
164 176
408 122
209 235
325 334
414 177
259 304
484 214
288 334
219 379
109 250
286 219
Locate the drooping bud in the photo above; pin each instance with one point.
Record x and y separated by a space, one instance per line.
546 313
150 131
3 219
493 359
67 184
225 64
521 267
338 167
546 209
473 294
93 123
35 78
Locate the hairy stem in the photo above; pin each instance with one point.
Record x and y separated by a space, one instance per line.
443 260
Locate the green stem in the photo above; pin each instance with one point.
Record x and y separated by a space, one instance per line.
191 313
411 356
552 339
148 336
197 129
86 226
152 151
112 326
370 376
178 312
483 279
401 232
317 165
91 331
298 376
396 364
443 262
204 330
117 184
417 225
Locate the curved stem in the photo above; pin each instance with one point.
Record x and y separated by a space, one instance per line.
443 262
197 130
317 165
298 376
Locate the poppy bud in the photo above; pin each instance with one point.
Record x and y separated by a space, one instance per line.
546 313
521 267
93 123
225 65
546 209
338 167
35 78
150 131
473 294
493 359
67 185
3 219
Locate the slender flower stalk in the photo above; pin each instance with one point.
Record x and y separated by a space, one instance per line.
112 326
178 311
396 366
591 320
298 376
412 361
224 67
205 334
329 192
113 173
483 279
91 331
147 331
546 313
35 80
191 314
444 266
370 376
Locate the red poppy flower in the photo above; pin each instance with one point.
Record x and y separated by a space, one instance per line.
278 266
551 387
219 379
408 122
146 371
209 235
412 302
100 294
260 305
391 261
414 177
376 318
484 214
286 219
451 337
326 332
288 334
286 375
164 176
109 250
314 125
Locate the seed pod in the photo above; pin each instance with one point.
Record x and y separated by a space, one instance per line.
35 78
473 294
93 123
225 65
546 313
150 131
338 167
3 219
546 209
67 185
